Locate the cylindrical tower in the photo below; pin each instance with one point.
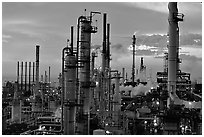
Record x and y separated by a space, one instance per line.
29 74
25 76
174 18
37 70
33 72
117 99
133 60
123 75
86 30
21 76
37 62
70 95
18 76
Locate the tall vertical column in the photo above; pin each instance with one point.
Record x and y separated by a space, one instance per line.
29 76
18 76
70 95
102 95
133 60
37 62
173 48
21 76
49 75
37 69
104 43
25 76
123 75
117 100
33 72
72 33
45 76
108 46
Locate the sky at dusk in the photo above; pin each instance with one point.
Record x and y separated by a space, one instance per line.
24 25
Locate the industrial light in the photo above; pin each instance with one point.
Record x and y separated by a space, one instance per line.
157 102
155 124
106 124
145 122
97 83
108 132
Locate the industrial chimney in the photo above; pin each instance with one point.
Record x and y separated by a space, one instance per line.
37 63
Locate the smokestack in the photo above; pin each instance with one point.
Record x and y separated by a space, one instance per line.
108 45
72 33
141 64
49 74
173 46
104 43
29 73
133 63
18 76
25 76
104 32
123 75
37 63
33 72
21 75
45 76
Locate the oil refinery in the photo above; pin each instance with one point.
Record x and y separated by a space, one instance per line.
92 100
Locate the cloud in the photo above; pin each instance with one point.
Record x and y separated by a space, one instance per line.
190 58
5 38
119 48
191 39
153 6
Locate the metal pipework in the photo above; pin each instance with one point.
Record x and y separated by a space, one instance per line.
71 44
133 61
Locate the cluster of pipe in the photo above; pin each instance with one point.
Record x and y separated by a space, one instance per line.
23 83
173 63
76 68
